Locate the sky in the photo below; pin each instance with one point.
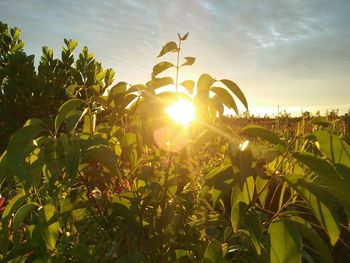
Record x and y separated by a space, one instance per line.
295 54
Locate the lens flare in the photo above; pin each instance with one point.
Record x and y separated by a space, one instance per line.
181 111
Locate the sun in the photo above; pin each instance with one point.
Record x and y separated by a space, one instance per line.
181 111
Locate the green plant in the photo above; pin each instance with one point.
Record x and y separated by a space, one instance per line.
115 180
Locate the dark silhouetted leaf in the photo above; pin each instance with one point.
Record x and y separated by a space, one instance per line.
322 121
262 133
236 91
226 98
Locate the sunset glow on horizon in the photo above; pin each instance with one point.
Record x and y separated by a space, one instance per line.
279 53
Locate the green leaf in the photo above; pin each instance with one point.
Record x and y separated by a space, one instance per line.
14 204
226 98
285 242
180 253
333 148
240 198
22 213
17 47
315 239
18 252
128 140
63 111
329 176
322 121
168 47
20 145
102 155
189 85
160 67
213 252
203 85
49 227
262 133
184 37
189 61
100 75
72 158
159 82
318 202
254 228
136 88
233 87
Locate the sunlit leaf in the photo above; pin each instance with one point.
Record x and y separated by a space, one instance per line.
240 198
319 204
136 88
336 150
184 37
203 85
161 66
189 61
14 204
189 85
254 228
329 176
63 111
168 47
314 238
285 242
49 227
159 82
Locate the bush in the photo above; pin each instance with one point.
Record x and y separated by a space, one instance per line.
113 179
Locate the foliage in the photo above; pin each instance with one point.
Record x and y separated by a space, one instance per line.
114 180
26 93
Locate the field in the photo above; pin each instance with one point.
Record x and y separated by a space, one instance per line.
95 170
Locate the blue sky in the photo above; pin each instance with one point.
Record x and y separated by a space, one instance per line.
295 54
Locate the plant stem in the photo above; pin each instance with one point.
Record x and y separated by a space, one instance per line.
177 67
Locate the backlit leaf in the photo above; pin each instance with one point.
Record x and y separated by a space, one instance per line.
63 111
337 150
189 85
233 87
317 200
14 204
262 133
189 61
315 239
160 67
168 47
329 176
285 246
203 85
226 98
159 82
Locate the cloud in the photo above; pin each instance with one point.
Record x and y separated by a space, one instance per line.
257 43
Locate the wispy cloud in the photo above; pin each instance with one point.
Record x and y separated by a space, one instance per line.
276 50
